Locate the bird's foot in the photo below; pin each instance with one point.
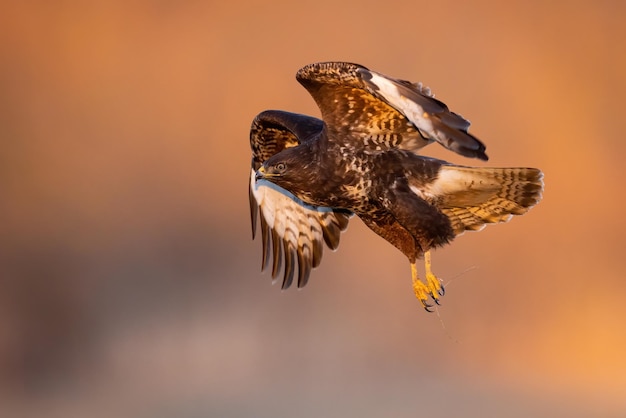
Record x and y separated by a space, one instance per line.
421 293
433 288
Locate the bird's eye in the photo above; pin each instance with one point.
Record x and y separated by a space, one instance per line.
280 166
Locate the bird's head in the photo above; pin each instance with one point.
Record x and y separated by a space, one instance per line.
289 170
272 171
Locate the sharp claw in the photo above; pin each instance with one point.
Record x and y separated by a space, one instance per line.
433 288
426 305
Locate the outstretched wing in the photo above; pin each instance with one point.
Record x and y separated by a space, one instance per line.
382 112
472 197
290 228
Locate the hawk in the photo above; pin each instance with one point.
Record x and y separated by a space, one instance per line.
309 176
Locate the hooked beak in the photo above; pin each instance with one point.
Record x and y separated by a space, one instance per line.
260 173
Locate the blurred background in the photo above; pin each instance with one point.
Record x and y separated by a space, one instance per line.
129 282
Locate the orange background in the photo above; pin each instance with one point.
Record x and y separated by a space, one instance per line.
129 282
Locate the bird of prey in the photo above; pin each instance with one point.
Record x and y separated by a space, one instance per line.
309 176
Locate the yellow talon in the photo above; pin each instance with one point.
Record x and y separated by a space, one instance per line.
432 288
420 289
434 284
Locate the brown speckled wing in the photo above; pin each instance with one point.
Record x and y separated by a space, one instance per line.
473 197
292 232
365 108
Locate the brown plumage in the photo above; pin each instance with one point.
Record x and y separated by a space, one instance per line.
309 175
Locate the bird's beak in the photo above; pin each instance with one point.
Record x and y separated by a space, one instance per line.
260 173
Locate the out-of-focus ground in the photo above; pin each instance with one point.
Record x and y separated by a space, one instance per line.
129 282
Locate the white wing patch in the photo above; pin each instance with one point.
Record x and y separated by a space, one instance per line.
431 117
293 230
468 187
413 111
473 197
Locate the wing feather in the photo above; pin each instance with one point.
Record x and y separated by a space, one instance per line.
277 252
289 264
265 238
382 112
473 197
291 231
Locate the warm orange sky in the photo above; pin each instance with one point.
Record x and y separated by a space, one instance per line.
130 284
